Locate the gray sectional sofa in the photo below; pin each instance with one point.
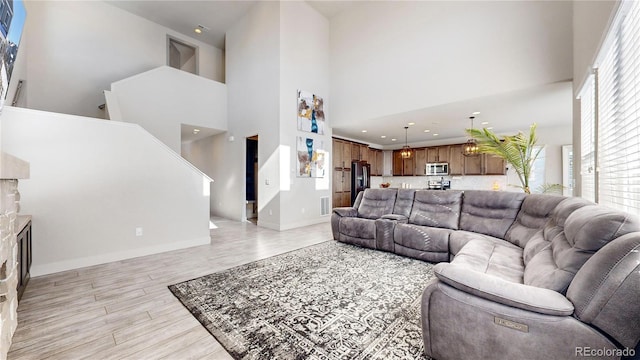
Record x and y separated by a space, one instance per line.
518 276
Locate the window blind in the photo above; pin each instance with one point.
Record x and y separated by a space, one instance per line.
587 136
618 135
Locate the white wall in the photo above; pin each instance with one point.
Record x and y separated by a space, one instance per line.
253 75
392 57
276 49
76 49
304 65
204 155
164 98
590 23
93 182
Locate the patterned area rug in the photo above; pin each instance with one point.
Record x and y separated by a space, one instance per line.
326 301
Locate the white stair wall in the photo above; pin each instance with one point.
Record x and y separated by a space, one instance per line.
93 182
162 99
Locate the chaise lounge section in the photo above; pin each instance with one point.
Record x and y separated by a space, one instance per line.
518 276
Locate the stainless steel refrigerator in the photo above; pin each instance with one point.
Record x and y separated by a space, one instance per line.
360 178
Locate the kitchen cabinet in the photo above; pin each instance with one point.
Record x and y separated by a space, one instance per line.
376 161
403 167
420 156
494 165
408 166
336 151
364 153
456 160
484 164
355 153
473 165
344 152
380 162
397 163
438 154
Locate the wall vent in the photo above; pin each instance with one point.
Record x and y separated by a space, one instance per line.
324 206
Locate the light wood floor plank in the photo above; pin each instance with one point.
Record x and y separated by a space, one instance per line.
124 310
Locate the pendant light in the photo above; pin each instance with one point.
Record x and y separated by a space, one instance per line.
406 150
470 148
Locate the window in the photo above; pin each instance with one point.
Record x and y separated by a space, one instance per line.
588 165
616 102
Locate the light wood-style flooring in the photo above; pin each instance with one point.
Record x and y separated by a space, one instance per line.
123 310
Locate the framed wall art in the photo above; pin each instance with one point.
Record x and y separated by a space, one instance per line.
311 158
310 112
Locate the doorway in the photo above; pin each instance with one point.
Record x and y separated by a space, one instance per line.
181 55
252 179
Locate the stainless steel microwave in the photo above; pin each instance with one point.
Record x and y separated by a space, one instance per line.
438 169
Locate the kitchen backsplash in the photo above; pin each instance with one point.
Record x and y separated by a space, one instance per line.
494 182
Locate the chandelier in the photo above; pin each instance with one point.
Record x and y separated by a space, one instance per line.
406 150
470 148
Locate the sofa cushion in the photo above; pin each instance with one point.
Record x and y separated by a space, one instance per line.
586 230
377 202
436 208
489 212
534 213
422 237
501 259
553 227
404 202
358 228
458 239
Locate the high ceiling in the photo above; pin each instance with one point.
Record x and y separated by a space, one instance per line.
547 105
216 16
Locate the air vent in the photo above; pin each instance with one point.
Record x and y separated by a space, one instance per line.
324 206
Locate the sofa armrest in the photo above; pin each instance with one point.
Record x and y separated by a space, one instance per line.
395 217
531 298
346 211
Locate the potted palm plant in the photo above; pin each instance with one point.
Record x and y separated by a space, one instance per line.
518 150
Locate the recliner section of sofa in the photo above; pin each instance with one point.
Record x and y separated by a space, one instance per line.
519 276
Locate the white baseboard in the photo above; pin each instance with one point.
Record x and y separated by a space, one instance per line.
45 269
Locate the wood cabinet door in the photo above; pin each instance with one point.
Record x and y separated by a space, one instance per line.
473 165
346 180
432 154
355 152
337 199
337 154
443 154
408 166
456 160
371 159
420 161
494 165
346 199
337 180
380 162
397 163
364 153
346 155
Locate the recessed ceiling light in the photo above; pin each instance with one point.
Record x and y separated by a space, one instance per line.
490 127
364 130
475 113
195 131
484 123
200 28
411 123
436 134
383 136
393 139
427 130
